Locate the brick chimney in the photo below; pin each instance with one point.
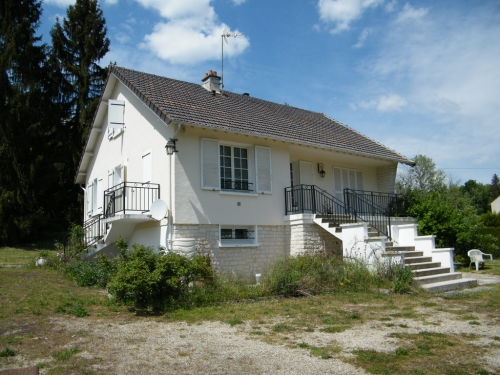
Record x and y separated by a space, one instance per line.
211 81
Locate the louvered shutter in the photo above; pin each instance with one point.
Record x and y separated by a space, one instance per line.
263 169
89 199
99 198
210 164
116 118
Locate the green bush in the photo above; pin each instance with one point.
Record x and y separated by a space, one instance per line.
317 273
92 273
150 280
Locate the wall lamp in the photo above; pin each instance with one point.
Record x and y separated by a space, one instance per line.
320 170
170 146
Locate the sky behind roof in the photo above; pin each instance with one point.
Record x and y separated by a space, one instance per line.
421 77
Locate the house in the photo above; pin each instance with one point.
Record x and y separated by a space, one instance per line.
495 206
190 167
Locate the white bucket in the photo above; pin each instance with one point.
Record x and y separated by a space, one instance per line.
184 246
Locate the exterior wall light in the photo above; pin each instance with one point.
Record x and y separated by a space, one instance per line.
170 146
320 170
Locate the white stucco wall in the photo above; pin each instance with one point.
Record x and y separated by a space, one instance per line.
143 131
495 206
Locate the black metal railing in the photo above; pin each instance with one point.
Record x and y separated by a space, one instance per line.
375 208
395 205
130 196
92 230
235 185
312 199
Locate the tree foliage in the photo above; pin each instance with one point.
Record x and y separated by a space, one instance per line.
79 42
35 178
37 163
448 211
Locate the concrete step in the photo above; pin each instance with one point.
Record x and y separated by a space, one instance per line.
430 271
430 279
418 260
445 286
399 248
425 265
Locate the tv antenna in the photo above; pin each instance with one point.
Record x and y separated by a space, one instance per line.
226 34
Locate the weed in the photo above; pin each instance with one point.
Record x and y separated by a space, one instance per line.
474 322
282 327
66 354
234 321
402 351
7 352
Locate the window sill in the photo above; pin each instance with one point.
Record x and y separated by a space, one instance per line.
235 192
238 244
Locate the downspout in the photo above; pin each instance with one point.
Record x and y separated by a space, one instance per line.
170 196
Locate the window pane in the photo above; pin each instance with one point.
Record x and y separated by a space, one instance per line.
237 174
244 153
237 163
237 152
226 234
241 233
244 163
245 175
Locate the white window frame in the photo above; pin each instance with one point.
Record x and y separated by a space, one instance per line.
237 242
259 160
347 178
233 178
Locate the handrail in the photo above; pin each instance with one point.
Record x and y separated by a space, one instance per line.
130 196
395 205
363 209
312 199
92 230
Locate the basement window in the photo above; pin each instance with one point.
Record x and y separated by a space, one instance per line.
237 236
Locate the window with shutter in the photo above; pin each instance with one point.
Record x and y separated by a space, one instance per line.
116 117
210 164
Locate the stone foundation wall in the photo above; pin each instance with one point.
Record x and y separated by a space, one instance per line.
274 242
311 238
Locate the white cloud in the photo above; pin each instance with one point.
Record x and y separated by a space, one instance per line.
191 33
343 12
385 103
111 2
389 7
238 2
60 3
362 37
410 13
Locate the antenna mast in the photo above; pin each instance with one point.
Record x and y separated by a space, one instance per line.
226 34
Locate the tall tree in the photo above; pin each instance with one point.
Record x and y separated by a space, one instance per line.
424 176
33 160
495 188
479 195
79 42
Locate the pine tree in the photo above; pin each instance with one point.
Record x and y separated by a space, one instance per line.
33 154
78 44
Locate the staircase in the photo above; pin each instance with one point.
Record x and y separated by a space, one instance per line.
429 274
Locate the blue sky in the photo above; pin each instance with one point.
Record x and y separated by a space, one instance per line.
422 77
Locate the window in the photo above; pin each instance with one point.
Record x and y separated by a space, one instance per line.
238 236
346 178
234 168
95 197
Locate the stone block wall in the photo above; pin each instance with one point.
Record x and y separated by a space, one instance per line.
274 242
311 238
386 178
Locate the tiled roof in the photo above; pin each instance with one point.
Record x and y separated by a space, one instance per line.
189 103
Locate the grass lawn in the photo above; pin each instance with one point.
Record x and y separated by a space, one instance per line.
32 297
25 256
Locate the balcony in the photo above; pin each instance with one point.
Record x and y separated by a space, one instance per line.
130 197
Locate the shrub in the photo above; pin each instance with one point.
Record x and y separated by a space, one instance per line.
89 273
317 273
151 280
403 280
